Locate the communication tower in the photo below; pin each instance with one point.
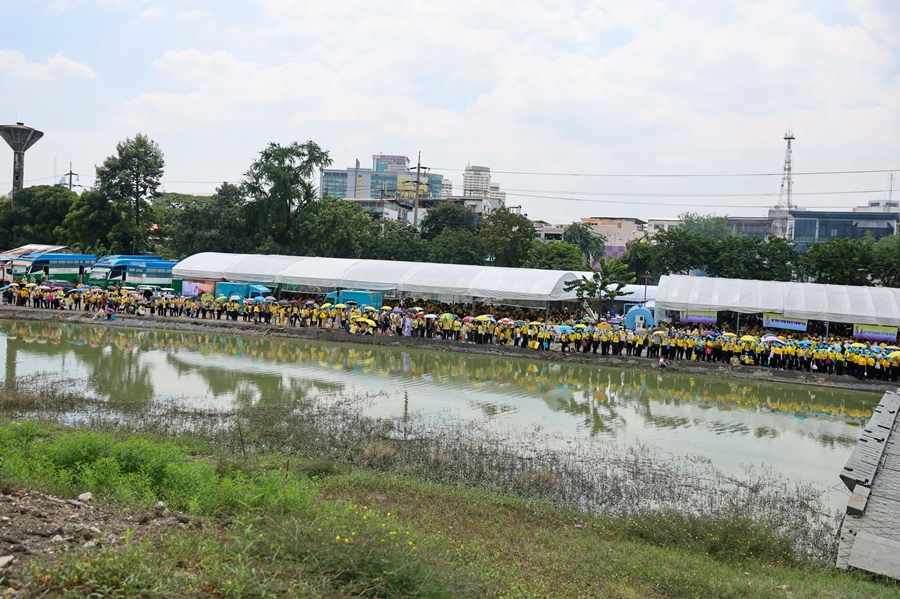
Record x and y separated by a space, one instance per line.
20 138
787 182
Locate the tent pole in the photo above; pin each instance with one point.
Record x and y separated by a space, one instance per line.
826 328
738 327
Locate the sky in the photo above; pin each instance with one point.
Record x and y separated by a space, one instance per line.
570 103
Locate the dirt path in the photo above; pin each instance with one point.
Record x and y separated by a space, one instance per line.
755 373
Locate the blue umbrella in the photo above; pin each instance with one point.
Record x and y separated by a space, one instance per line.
804 343
565 328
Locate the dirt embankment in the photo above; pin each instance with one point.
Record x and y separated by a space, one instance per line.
755 373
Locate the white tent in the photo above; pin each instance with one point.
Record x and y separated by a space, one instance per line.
381 275
810 301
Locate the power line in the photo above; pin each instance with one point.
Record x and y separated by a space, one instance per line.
676 175
690 195
596 201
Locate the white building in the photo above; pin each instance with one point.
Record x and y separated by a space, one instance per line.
496 198
446 188
476 181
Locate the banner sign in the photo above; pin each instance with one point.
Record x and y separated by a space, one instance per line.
772 320
699 317
190 289
874 333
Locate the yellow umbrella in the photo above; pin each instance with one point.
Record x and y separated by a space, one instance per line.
340 306
580 326
604 326
370 309
386 308
325 306
858 345
446 316
371 323
535 323
729 334
894 354
660 333
748 338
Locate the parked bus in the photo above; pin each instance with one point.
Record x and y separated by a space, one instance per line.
132 271
60 267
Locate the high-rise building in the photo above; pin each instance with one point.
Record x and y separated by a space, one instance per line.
382 163
446 188
496 198
476 181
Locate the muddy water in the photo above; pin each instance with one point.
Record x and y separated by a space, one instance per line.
803 433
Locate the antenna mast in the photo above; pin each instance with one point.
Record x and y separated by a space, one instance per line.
787 182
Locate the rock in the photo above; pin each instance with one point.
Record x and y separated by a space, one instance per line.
182 518
4 519
90 544
75 502
6 560
85 497
57 539
160 505
95 530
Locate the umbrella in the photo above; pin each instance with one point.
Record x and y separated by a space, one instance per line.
804 343
486 318
894 354
397 310
535 323
419 314
414 309
309 303
748 338
857 345
709 333
506 321
446 317
351 302
325 306
370 309
44 287
340 306
270 298
565 328
729 334
893 347
660 333
385 307
293 302
234 298
657 329
259 299
206 296
603 326
369 322
580 326
468 318
521 323
431 316
770 337
284 303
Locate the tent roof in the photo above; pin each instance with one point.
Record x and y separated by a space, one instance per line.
380 275
810 301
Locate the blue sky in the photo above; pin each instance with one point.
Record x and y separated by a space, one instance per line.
605 87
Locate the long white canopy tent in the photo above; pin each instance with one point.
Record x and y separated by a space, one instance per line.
808 301
408 278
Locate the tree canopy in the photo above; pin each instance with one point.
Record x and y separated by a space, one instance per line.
447 215
554 255
37 216
507 237
591 244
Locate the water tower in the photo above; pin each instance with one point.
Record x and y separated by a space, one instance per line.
20 138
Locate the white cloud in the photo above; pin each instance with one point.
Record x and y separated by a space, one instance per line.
57 66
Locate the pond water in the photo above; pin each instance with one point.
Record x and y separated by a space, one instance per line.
804 433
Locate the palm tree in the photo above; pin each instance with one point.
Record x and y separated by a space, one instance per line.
592 245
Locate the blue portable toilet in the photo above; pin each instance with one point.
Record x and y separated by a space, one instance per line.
639 317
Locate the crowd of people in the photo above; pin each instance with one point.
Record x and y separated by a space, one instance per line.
556 329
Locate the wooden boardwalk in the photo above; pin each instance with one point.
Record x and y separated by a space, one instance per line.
870 533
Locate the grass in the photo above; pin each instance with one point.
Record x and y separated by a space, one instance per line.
314 499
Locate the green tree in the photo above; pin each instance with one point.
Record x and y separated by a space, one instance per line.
841 261
131 179
605 283
886 268
735 257
507 237
37 217
641 257
554 255
90 221
457 246
194 224
679 251
447 215
592 245
332 228
394 240
778 260
709 225
280 186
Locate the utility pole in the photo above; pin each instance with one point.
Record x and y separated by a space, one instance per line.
70 175
787 182
416 200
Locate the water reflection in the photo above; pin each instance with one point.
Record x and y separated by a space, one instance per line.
123 364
